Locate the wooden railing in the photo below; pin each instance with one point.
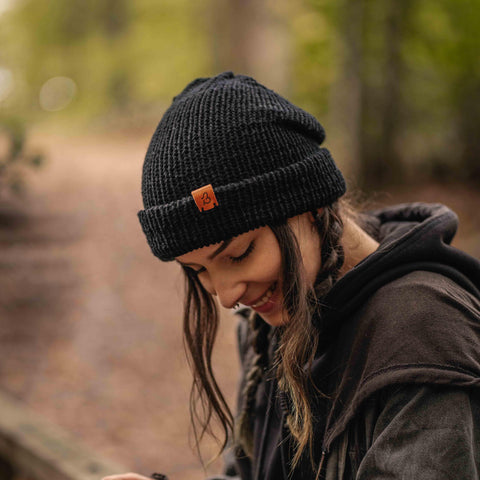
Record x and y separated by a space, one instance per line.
38 450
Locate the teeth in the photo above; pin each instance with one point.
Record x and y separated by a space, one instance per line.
266 297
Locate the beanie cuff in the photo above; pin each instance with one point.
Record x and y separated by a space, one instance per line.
179 227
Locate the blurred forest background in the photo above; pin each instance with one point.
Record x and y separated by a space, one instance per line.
397 84
90 321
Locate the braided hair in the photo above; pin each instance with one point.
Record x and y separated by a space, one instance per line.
258 364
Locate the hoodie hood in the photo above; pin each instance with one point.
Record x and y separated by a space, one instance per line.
408 313
413 236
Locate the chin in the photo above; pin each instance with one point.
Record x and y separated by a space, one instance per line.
275 320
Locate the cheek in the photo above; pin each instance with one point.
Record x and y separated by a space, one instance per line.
267 263
204 280
266 268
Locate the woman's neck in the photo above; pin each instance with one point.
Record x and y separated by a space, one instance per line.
357 245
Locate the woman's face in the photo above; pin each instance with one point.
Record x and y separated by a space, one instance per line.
247 269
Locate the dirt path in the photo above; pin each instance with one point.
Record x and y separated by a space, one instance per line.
91 321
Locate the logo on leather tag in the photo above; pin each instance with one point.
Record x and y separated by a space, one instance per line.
205 198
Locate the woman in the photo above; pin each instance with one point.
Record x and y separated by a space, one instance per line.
361 339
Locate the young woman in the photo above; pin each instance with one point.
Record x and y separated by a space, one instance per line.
360 333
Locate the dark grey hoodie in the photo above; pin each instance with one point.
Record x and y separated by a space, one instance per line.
401 343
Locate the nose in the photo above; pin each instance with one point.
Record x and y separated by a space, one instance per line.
228 290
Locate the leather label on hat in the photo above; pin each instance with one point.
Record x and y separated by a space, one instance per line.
205 198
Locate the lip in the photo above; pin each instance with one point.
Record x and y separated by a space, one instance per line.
270 304
253 302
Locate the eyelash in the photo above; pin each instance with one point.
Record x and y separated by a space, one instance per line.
244 255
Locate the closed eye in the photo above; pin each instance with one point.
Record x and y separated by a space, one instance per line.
245 254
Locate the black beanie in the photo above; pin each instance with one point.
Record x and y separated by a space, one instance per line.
229 156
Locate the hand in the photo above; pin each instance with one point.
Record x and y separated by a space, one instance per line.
127 476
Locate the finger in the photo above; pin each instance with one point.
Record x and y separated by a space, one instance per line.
126 476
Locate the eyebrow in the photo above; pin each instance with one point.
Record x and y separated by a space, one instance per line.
218 251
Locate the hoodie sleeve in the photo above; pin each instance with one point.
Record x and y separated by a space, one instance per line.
424 432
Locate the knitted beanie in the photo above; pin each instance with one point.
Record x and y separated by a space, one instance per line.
229 156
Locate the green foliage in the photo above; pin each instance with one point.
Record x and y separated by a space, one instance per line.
313 29
441 51
120 54
418 69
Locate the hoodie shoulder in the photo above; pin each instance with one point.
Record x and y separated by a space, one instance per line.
420 296
422 318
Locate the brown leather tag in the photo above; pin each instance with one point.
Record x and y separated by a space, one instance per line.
205 198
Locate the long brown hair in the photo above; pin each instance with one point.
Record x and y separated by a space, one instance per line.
298 343
200 326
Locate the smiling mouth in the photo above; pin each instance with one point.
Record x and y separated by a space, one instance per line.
266 297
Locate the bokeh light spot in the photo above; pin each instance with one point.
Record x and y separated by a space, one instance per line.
56 93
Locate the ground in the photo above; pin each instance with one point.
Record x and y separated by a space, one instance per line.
90 326
91 321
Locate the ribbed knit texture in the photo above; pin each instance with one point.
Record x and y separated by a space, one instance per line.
259 152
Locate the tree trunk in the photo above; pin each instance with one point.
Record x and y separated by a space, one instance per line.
382 93
247 38
468 130
346 93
